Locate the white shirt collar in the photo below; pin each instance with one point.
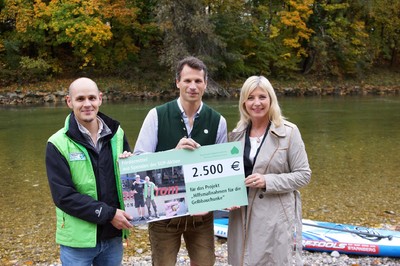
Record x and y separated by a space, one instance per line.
183 111
84 130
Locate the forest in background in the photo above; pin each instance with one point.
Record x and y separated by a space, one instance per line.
140 41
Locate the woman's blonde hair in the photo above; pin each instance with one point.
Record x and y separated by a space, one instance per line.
252 83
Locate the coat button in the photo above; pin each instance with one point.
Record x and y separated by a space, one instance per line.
261 196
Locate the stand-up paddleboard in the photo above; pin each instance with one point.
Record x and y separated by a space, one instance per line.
344 238
221 227
350 239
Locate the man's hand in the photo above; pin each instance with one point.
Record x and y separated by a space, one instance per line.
125 154
121 220
199 214
189 144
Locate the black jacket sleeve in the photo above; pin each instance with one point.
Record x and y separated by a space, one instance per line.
65 195
126 144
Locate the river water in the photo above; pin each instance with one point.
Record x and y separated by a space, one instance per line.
352 144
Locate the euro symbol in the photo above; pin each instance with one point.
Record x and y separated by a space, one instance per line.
235 166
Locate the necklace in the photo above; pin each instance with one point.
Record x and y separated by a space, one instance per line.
259 136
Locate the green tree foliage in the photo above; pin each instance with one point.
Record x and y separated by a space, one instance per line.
290 31
143 39
73 34
187 30
88 28
339 45
231 26
383 24
262 37
144 68
17 47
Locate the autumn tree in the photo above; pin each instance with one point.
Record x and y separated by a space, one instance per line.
143 39
74 34
290 33
233 30
187 30
263 37
148 38
88 28
339 45
383 24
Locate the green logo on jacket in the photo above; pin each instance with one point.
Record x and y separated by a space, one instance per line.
77 156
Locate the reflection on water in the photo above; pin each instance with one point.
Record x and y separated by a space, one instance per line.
352 144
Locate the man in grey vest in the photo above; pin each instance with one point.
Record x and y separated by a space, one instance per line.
184 123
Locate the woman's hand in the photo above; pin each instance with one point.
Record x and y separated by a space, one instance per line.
255 181
233 208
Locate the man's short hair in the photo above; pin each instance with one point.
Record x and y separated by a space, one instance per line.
192 62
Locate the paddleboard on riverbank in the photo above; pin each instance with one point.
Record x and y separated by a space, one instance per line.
344 238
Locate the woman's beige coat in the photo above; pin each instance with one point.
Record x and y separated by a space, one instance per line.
263 233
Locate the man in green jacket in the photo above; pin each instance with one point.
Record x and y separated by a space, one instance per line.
81 164
149 188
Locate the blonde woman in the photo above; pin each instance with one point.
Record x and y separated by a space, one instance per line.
268 230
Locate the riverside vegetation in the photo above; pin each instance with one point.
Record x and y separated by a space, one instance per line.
379 82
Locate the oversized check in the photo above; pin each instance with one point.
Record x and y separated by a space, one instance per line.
184 181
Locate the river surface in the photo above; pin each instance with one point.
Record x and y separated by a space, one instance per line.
352 144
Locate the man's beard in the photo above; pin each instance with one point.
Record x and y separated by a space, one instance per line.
88 120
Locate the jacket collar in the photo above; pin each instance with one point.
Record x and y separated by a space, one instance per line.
278 131
72 130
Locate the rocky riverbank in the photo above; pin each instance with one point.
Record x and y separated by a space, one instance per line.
309 258
141 257
19 97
